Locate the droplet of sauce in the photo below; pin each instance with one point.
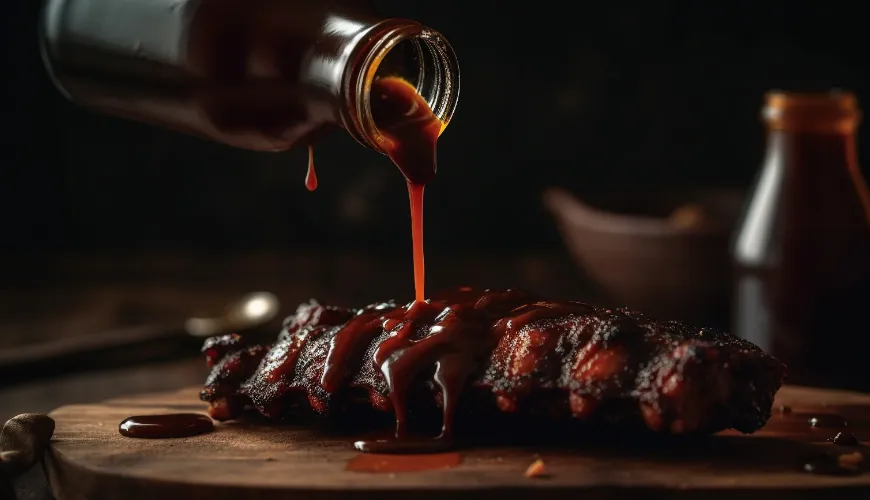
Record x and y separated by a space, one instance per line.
845 439
828 465
375 463
311 176
175 425
827 420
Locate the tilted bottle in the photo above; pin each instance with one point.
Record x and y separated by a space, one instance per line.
257 74
803 248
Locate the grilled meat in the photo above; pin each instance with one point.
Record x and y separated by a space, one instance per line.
509 351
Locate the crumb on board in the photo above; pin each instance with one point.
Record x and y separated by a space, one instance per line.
851 460
536 469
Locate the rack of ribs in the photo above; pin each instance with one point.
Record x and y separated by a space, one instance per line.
506 351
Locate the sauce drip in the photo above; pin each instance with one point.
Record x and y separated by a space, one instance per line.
311 176
174 425
845 439
445 339
410 137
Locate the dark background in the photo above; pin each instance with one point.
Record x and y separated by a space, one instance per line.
595 96
108 223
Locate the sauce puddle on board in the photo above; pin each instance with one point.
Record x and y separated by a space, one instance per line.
386 464
843 455
176 425
845 439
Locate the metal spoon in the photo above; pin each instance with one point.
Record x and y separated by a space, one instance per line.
252 309
133 345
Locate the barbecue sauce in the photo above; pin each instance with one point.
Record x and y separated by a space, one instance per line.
174 425
459 341
827 465
311 176
845 439
410 137
802 252
391 464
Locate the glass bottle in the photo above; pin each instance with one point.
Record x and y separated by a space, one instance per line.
802 250
256 74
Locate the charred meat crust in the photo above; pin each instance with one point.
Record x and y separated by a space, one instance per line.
523 355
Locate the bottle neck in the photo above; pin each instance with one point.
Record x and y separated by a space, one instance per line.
812 132
405 49
813 152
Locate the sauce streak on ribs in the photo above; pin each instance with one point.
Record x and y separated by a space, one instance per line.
508 350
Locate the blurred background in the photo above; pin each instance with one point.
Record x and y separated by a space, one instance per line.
110 224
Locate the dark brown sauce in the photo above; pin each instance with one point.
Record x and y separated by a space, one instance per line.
404 446
827 465
827 421
814 426
174 425
451 353
311 175
845 439
411 134
410 128
375 463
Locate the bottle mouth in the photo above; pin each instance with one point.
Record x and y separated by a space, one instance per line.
420 56
836 110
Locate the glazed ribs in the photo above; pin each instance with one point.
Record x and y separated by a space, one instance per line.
498 351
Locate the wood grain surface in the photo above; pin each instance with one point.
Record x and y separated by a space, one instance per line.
90 460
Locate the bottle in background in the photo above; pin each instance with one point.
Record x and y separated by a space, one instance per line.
802 250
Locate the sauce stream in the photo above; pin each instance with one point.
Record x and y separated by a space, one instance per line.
411 132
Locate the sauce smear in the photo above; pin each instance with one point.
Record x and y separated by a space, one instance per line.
411 132
174 425
311 176
403 463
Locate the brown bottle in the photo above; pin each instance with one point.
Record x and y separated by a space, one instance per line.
803 248
257 74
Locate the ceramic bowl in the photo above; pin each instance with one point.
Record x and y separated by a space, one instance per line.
665 253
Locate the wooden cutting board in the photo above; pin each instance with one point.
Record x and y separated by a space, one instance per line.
90 460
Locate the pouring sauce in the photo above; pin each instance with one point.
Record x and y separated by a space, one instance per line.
410 140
